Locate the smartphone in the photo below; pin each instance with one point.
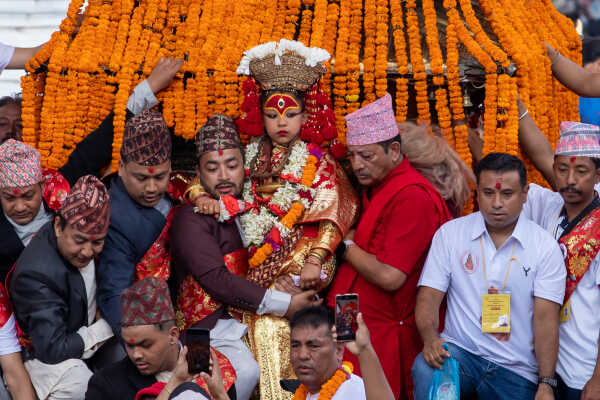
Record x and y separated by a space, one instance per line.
197 341
346 310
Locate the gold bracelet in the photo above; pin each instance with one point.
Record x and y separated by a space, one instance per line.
318 253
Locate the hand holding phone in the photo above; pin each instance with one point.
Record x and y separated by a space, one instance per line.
346 311
197 341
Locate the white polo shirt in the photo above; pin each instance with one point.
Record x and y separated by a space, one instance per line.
6 53
578 344
454 266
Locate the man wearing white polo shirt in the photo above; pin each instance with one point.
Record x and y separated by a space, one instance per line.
572 215
505 280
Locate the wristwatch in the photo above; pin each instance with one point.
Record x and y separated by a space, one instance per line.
342 248
549 381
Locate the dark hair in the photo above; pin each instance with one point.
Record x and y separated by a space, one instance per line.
61 220
596 162
299 96
314 316
386 143
165 326
502 162
8 100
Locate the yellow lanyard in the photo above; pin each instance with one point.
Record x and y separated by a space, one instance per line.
510 260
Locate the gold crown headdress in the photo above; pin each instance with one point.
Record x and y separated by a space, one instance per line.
287 65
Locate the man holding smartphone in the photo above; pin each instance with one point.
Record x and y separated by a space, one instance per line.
156 360
401 210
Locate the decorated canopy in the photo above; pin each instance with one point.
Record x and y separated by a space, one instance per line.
433 56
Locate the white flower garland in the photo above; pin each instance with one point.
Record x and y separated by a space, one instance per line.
312 55
257 225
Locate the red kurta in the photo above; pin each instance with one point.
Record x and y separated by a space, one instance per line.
397 224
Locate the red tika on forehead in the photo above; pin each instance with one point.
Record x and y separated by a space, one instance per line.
573 159
498 183
281 103
150 170
16 192
220 152
131 340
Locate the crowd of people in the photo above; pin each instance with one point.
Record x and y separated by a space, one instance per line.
104 273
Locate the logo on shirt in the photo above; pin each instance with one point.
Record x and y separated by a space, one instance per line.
526 270
469 262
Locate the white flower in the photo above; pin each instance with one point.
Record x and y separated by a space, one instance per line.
296 160
251 152
312 55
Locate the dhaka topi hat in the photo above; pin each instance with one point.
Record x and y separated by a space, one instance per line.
86 207
146 302
20 165
146 140
578 139
217 134
373 123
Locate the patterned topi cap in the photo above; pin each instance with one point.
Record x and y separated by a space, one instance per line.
146 140
578 139
146 302
20 165
373 123
218 133
86 207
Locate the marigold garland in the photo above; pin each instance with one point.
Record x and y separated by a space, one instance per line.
328 389
120 41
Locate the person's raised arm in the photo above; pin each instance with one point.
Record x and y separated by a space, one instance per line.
536 145
21 55
376 385
576 78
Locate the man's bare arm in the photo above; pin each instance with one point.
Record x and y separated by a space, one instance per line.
21 56
536 145
369 267
545 333
581 81
17 378
427 318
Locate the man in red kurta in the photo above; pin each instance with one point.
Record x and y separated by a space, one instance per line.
383 257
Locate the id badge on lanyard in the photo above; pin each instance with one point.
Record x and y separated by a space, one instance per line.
495 304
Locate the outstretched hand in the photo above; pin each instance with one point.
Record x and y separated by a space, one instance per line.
362 342
163 73
214 381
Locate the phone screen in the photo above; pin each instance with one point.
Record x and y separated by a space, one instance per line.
197 341
346 310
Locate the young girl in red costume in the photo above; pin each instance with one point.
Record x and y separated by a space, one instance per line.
297 203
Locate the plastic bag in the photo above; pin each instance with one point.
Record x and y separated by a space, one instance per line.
445 384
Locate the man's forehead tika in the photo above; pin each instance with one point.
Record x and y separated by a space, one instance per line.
281 103
150 170
499 183
16 191
572 160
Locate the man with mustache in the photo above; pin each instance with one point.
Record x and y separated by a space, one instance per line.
53 291
210 260
572 216
385 254
513 262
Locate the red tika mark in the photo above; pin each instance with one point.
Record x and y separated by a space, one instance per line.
572 159
16 192
131 340
499 185
220 152
151 170
92 237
